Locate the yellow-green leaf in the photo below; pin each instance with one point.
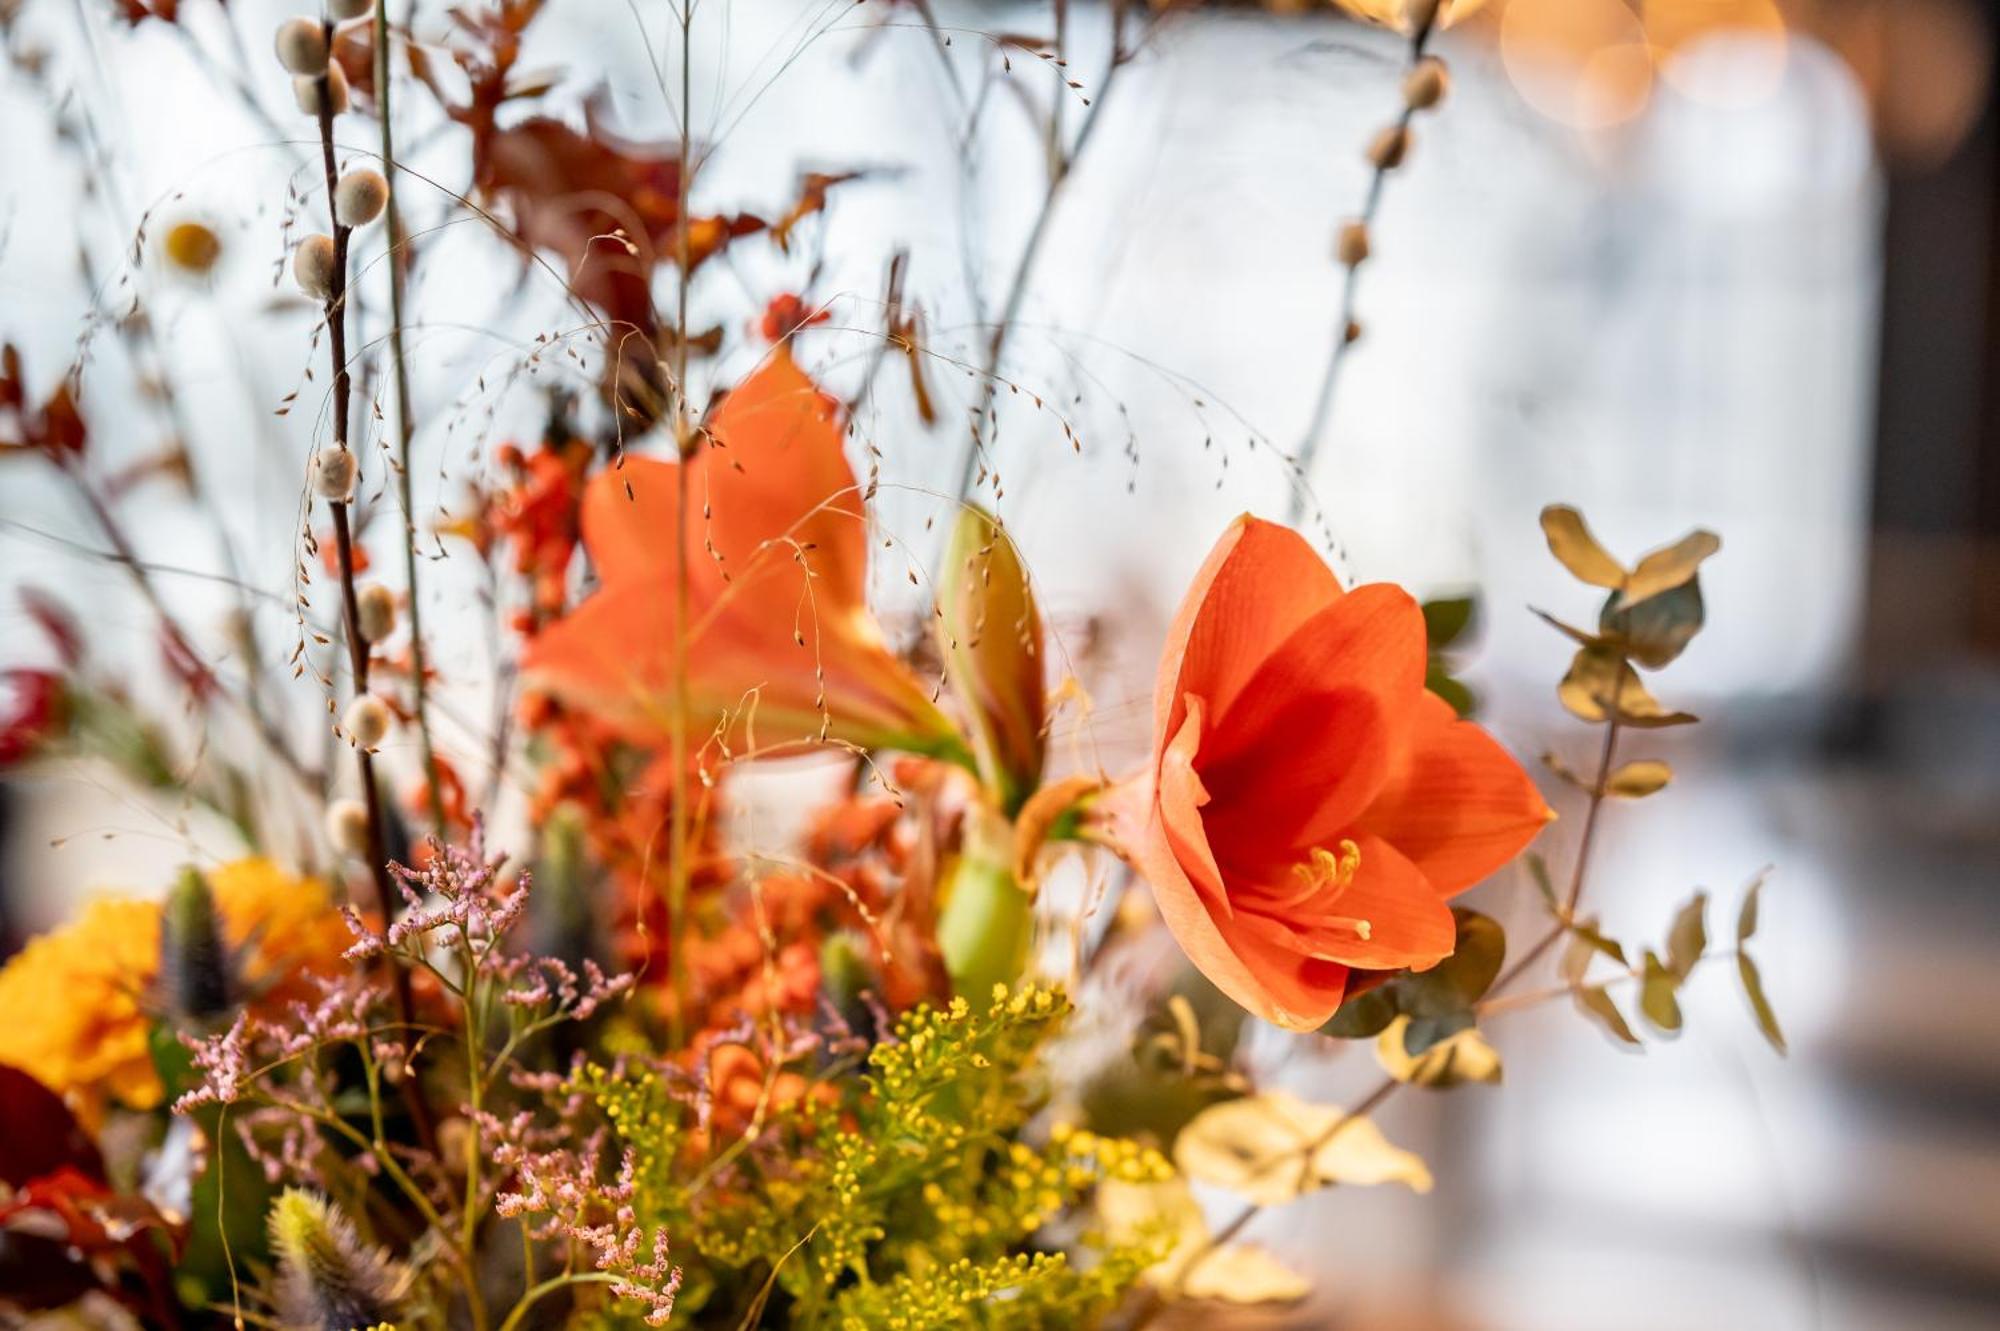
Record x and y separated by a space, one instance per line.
990 632
1760 1005
1596 1004
1451 1062
1659 995
1602 684
1746 918
1570 542
1272 1147
1687 938
1670 566
1638 779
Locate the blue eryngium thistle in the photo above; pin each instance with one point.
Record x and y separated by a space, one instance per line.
327 1280
197 979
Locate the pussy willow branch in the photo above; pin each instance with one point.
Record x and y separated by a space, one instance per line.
1350 282
1062 162
392 221
343 539
1151 1302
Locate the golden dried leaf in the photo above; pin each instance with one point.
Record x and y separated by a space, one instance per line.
1233 1273
1570 542
1273 1147
1638 779
1454 1060
1670 566
1600 683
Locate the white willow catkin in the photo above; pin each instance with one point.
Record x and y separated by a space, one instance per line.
313 264
301 46
359 197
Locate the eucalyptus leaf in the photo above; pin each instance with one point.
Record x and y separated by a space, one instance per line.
1687 939
1588 933
1746 918
1637 779
1760 1005
1655 631
1538 869
1461 979
1454 692
1425 1033
1460 1058
1658 995
1670 567
1447 619
1596 1004
1362 1018
1572 544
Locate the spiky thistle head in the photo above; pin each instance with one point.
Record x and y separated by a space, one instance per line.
197 973
327 1279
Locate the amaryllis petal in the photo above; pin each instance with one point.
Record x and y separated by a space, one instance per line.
1289 990
1459 807
774 485
629 514
1259 584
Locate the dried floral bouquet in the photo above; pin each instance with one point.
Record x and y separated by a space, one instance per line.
620 1062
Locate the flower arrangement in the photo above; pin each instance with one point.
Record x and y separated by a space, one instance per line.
592 1056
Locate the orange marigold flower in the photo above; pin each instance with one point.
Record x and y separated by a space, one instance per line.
1309 808
76 1003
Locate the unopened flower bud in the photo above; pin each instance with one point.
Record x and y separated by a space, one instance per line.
192 247
1389 148
326 1276
1426 84
377 607
346 9
333 474
313 264
1352 247
367 721
359 197
347 827
306 87
195 981
302 46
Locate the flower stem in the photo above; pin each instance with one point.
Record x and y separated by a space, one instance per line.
343 539
405 422
1322 412
685 435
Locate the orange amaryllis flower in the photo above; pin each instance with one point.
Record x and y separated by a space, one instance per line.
778 633
1309 807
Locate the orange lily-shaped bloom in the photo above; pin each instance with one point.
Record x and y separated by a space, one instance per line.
1309 807
780 645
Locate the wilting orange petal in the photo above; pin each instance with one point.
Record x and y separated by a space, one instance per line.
1260 583
1459 806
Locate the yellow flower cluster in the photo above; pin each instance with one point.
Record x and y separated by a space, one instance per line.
75 1004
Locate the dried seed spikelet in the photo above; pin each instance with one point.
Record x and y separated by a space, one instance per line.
1390 148
195 981
306 87
1352 247
327 1280
333 474
192 247
347 827
377 607
1426 84
313 264
367 721
302 46
347 9
359 197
